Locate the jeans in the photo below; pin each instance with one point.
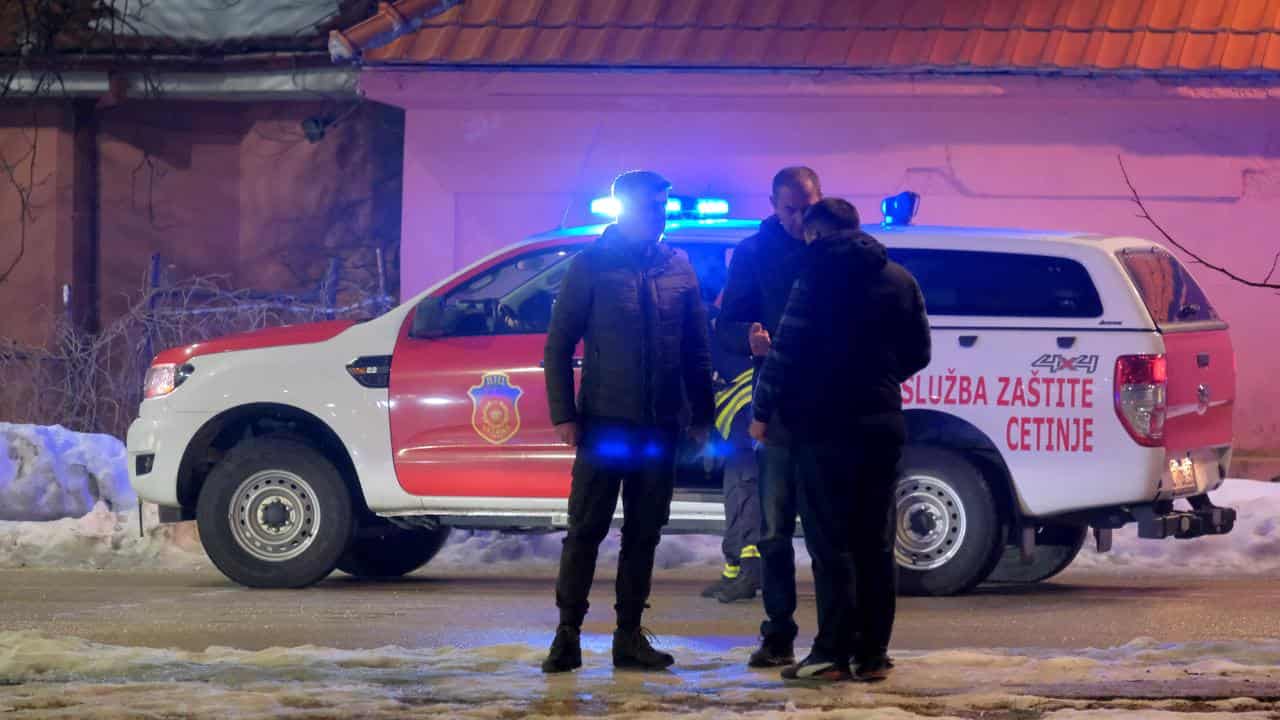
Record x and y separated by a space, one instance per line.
778 478
639 462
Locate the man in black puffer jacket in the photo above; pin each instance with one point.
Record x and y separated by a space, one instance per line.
647 362
854 330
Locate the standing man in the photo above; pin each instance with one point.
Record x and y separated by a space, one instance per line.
761 273
854 330
647 361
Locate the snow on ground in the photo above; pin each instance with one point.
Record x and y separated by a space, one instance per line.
63 677
49 472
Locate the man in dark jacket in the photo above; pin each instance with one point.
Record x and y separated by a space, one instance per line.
646 363
761 273
854 330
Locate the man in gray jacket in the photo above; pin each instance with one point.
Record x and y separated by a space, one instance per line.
646 364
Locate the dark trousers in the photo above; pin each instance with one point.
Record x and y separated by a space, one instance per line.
846 505
778 483
741 504
640 462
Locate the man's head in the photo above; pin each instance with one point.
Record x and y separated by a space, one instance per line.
642 200
828 217
794 190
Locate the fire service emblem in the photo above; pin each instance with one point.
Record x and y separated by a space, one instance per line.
494 411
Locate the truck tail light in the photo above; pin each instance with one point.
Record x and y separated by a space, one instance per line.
1141 397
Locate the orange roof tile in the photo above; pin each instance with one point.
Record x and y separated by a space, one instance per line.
1091 36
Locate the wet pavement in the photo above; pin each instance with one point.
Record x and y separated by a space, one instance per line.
193 610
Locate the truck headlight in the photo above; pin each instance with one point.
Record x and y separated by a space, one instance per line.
164 378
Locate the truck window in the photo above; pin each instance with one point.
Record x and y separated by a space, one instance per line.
997 284
1171 295
514 297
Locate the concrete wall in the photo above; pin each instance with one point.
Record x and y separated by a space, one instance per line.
493 157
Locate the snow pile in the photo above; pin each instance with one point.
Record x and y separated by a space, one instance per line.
70 677
1252 547
471 548
101 539
49 472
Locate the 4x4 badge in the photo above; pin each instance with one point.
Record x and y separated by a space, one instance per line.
494 411
1062 363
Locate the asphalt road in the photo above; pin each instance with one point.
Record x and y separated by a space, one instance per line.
197 609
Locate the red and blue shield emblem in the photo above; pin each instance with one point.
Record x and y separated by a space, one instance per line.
495 413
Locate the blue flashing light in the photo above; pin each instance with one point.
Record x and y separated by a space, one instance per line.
711 207
899 209
613 450
607 206
675 206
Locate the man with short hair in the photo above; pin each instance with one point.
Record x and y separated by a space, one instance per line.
636 305
853 331
761 273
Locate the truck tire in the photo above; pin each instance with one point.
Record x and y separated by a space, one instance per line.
383 550
1056 547
949 530
275 513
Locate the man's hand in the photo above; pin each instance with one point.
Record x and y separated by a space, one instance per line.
569 433
758 430
700 435
759 339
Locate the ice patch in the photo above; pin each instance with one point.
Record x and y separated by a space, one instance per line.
44 676
49 472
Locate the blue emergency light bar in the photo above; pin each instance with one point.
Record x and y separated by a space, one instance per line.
610 207
899 209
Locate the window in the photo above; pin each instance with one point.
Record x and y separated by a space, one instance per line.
711 264
1171 295
514 297
963 282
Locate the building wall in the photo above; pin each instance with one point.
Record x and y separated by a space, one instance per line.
493 157
29 227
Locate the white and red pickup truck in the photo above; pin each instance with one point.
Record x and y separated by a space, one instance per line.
1078 381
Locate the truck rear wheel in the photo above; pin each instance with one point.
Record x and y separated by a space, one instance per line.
950 533
384 550
274 513
1056 547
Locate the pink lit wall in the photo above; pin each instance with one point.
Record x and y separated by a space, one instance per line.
493 157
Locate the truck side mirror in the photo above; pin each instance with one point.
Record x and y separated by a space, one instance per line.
433 319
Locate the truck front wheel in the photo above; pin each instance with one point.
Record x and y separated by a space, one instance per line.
275 513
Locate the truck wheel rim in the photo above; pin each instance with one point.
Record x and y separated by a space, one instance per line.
931 522
274 515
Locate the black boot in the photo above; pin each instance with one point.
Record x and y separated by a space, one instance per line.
746 585
772 653
725 578
873 669
566 651
632 649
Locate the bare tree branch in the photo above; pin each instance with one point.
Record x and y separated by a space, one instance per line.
1146 215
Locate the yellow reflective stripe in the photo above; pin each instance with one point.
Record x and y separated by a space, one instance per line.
731 571
731 412
750 551
724 418
734 388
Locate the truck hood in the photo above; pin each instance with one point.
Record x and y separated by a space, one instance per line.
304 334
